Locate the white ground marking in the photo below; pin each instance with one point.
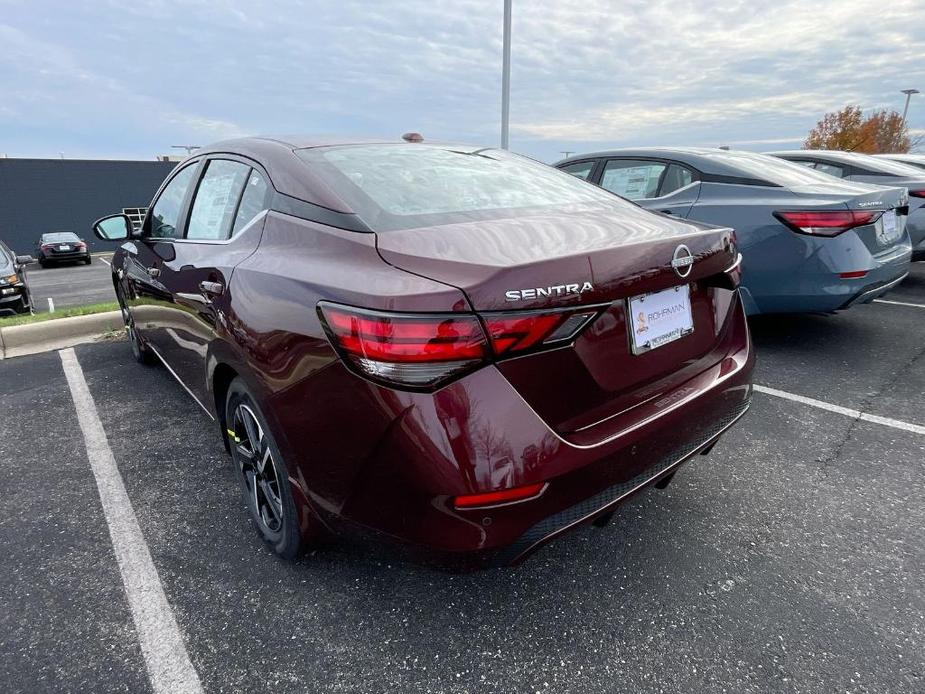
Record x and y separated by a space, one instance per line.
169 666
105 261
898 303
854 414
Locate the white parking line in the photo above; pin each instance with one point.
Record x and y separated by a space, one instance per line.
105 261
169 666
897 303
838 409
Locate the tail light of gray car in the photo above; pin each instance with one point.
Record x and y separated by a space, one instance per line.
917 193
827 222
421 351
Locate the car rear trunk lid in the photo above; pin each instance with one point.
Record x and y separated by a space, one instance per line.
557 260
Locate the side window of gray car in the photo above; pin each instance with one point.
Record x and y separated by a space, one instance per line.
830 169
581 170
676 177
635 179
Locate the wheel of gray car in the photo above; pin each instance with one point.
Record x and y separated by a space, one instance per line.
140 351
262 473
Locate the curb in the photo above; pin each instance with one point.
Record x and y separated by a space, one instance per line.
56 333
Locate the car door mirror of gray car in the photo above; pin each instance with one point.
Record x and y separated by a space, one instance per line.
23 260
115 227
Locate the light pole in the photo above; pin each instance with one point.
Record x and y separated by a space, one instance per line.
506 75
567 153
908 93
189 148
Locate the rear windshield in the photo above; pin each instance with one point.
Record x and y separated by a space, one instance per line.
771 169
60 236
399 186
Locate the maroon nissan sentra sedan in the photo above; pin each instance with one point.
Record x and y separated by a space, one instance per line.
455 348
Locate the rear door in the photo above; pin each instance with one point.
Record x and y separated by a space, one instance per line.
223 227
658 185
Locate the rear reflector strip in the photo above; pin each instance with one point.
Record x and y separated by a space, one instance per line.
501 497
855 274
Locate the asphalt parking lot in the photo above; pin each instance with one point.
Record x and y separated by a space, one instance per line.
789 560
73 284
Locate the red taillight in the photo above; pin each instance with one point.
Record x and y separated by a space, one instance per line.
416 350
46 246
827 222
520 332
424 350
80 244
504 496
853 275
917 193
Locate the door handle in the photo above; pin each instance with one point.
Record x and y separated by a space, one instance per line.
666 211
153 271
211 288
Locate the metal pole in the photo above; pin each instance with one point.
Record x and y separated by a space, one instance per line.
906 109
506 76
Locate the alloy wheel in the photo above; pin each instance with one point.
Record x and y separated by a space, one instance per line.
258 469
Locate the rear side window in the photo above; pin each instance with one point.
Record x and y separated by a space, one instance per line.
253 202
581 170
632 178
165 214
217 200
676 177
830 169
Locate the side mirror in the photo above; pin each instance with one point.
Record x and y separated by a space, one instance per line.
115 227
23 260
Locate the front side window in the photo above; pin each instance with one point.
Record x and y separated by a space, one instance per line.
632 178
253 202
217 200
165 214
580 170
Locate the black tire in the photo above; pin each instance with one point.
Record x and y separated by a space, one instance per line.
43 263
261 473
88 260
140 350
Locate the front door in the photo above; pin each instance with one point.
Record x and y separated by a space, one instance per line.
223 227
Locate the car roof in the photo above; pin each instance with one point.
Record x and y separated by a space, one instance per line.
856 158
710 160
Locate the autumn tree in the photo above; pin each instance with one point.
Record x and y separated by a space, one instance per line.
848 130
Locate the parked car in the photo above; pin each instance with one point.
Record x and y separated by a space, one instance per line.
60 247
809 243
866 168
15 296
916 160
453 347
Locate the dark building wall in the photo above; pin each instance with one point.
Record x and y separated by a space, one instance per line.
41 195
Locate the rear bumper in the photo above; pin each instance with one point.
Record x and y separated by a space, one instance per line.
872 291
815 285
65 257
408 454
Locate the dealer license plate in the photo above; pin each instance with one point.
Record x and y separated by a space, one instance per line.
659 318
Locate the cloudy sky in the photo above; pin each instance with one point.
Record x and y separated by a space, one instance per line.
128 79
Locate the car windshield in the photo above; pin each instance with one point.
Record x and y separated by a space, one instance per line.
59 237
397 186
767 168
